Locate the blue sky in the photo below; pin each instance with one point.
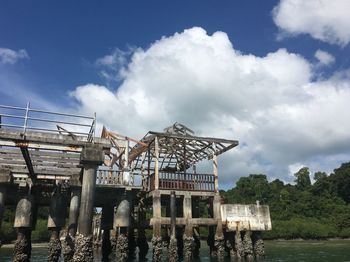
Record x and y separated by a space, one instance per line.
63 44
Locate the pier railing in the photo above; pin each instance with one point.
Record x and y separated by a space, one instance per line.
30 119
182 181
111 177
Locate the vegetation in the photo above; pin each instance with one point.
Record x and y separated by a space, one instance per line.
8 233
304 210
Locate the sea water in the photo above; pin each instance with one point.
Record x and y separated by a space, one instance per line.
281 251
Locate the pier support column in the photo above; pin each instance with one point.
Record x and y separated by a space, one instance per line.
258 245
23 223
196 234
211 231
248 245
172 249
68 243
106 226
2 206
188 236
157 242
122 222
219 236
141 235
238 244
56 220
90 158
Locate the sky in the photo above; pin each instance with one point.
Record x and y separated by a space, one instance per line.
274 75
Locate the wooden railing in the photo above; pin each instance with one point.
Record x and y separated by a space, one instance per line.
109 177
181 181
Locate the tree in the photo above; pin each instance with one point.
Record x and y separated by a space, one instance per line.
303 179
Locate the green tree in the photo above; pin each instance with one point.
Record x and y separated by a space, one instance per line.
302 179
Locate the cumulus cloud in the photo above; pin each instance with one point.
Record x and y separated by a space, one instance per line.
9 56
324 57
280 116
325 20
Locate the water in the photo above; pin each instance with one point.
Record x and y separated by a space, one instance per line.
281 251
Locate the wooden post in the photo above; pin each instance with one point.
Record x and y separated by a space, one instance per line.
157 238
173 213
156 167
215 170
188 236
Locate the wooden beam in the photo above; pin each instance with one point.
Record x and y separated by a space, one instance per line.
28 161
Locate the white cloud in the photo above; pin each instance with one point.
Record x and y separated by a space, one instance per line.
324 57
325 20
9 56
269 104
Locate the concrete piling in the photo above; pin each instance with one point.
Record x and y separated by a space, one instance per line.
122 222
141 235
54 246
258 245
196 232
23 223
239 245
106 226
2 206
248 245
84 239
68 243
90 157
122 245
188 239
172 249
56 220
157 241
219 241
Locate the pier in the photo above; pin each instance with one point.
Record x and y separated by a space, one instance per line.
56 160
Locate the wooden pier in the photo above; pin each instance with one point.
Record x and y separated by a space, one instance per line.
139 185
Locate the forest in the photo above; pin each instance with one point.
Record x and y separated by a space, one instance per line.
304 210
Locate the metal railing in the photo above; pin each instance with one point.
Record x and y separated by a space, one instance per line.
27 118
182 181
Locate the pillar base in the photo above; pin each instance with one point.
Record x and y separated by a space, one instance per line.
188 247
122 248
106 245
23 247
143 247
219 244
68 248
248 245
172 250
157 244
239 245
258 246
83 249
54 246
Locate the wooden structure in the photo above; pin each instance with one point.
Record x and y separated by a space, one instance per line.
60 163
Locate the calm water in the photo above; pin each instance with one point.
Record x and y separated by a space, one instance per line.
281 251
